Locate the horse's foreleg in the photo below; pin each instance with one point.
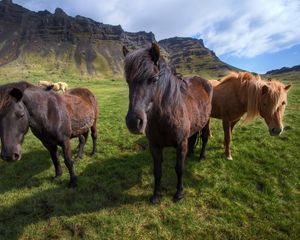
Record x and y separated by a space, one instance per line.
69 163
157 156
54 156
181 156
204 138
94 137
82 141
233 124
227 138
209 129
191 144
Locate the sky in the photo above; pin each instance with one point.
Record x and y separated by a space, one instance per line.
254 35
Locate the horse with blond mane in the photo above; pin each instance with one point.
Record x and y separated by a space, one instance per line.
55 86
240 93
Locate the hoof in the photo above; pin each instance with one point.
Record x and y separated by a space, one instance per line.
73 183
229 158
57 175
77 158
92 153
177 197
155 199
202 158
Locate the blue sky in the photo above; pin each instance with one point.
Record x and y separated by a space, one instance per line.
255 35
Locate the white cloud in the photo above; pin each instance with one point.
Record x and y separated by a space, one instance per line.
240 28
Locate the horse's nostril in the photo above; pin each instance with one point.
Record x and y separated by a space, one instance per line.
16 156
275 131
139 123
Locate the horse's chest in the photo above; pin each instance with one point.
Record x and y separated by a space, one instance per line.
166 133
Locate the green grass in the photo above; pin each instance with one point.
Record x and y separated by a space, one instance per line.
255 196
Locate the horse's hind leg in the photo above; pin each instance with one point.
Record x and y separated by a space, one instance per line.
157 156
191 144
204 138
82 141
94 137
181 156
69 163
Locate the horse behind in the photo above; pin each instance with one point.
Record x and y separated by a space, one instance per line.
53 118
55 86
168 109
243 93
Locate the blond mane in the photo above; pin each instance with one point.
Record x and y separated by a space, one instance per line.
252 85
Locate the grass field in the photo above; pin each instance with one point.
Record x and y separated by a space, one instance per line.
255 196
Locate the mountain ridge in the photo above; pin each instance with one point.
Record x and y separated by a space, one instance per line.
45 43
284 70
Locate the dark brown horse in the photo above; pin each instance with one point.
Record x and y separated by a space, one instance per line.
53 118
168 109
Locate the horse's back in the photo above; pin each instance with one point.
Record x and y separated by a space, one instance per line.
200 87
82 108
214 83
199 101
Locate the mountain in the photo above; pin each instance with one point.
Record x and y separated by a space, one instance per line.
190 56
42 43
287 74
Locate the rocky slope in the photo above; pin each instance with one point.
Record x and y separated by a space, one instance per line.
39 43
190 56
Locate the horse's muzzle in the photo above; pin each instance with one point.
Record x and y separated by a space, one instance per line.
275 131
16 156
135 123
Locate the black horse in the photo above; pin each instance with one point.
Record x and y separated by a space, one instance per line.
167 108
53 118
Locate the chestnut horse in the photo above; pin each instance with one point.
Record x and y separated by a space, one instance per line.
167 108
240 93
53 118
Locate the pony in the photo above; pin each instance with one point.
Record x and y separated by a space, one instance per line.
243 93
63 86
44 83
53 118
168 109
55 86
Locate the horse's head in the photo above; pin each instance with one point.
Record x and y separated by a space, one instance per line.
142 75
273 103
14 123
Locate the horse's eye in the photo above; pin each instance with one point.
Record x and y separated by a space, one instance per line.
20 114
154 79
283 103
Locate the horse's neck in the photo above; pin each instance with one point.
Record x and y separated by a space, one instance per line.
171 94
169 103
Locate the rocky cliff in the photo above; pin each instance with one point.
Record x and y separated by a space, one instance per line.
45 43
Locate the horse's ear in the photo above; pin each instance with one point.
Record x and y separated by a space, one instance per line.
16 93
287 87
154 52
125 51
264 89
